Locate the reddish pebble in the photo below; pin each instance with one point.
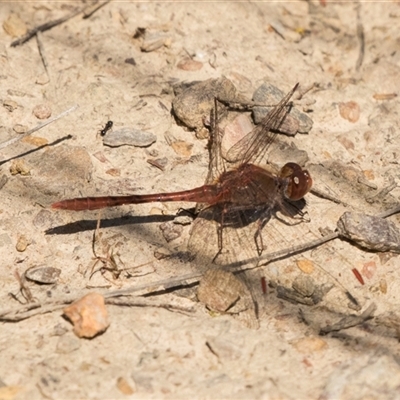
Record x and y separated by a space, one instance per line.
350 111
369 269
88 315
42 111
188 64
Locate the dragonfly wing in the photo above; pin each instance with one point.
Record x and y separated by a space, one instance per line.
255 144
238 250
217 165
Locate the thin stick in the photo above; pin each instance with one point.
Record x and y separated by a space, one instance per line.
41 52
93 8
361 38
46 26
40 126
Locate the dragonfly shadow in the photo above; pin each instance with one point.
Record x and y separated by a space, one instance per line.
90 225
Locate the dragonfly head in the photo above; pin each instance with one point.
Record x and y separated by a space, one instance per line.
299 181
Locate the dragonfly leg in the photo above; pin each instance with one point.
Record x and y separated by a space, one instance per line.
220 229
261 222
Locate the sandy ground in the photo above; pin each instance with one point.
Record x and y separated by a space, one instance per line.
174 348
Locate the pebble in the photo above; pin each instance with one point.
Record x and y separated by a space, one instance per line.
219 290
171 231
19 167
370 232
10 105
310 344
20 129
22 243
295 122
350 111
124 387
187 64
304 285
182 148
154 40
44 275
195 102
306 266
88 315
235 131
42 111
129 137
35 141
369 268
183 220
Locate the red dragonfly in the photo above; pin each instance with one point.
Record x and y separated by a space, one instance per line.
236 193
242 187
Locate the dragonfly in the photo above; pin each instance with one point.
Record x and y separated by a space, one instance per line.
236 193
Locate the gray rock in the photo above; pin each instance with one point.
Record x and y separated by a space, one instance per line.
129 137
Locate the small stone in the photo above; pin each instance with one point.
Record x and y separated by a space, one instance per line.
20 129
187 64
129 137
88 315
183 220
171 231
22 243
370 232
234 132
350 111
304 285
294 122
219 290
182 148
162 253
35 141
42 111
154 40
383 286
44 275
124 387
368 270
306 266
114 172
195 102
19 167
310 344
10 105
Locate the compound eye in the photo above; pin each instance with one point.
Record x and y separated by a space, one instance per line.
298 179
